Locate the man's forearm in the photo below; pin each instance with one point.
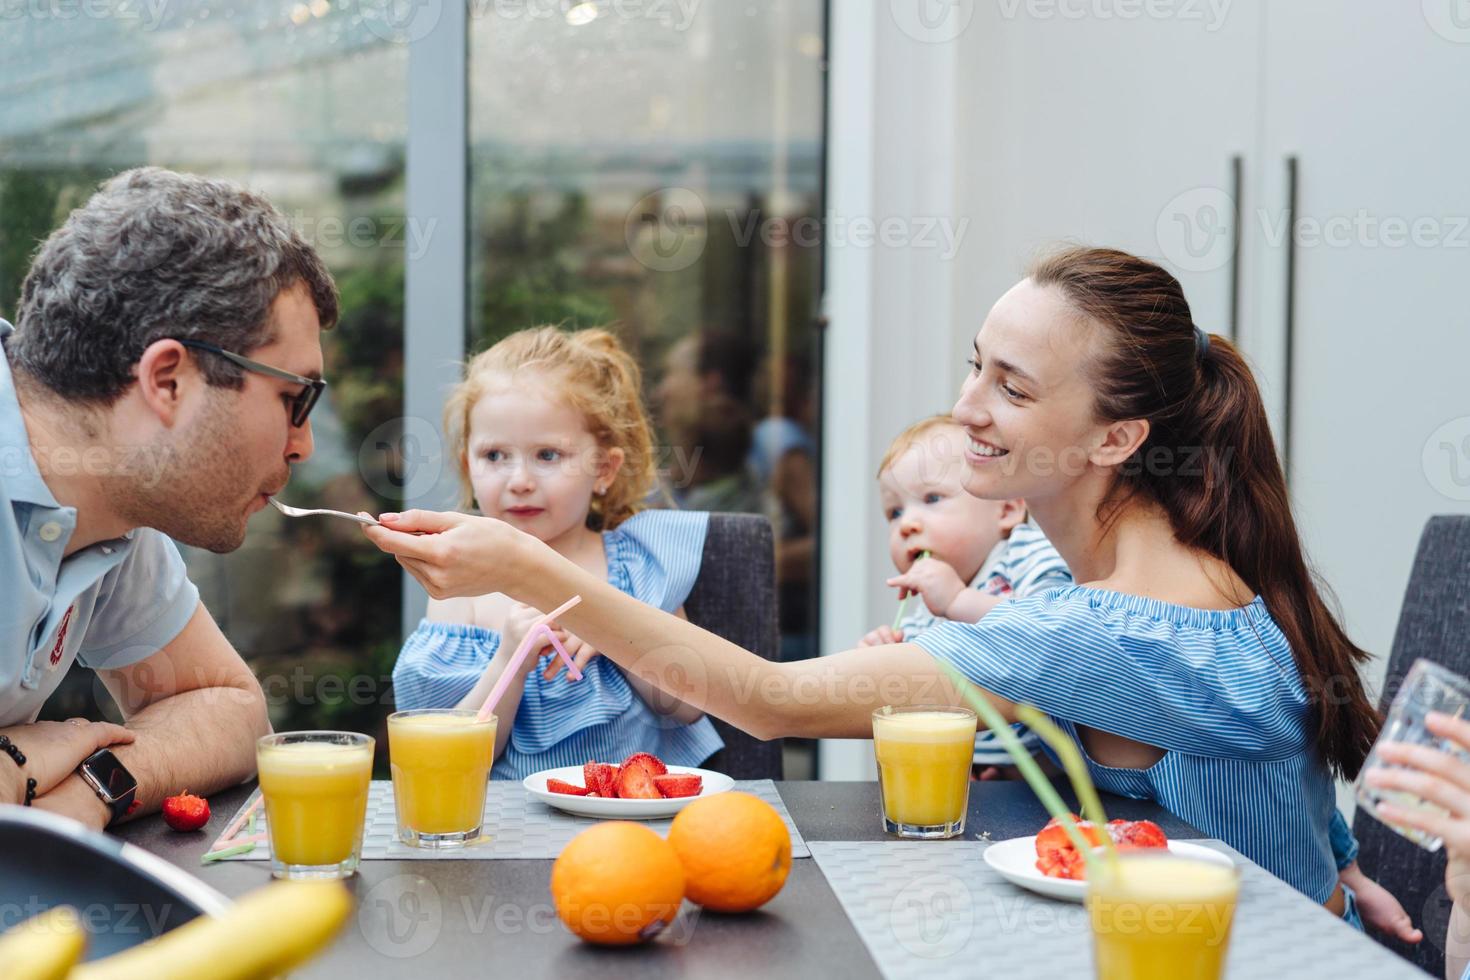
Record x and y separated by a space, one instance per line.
1457 942
201 740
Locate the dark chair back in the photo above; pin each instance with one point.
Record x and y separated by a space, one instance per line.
1435 624
735 598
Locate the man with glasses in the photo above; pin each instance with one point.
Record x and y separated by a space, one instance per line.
157 385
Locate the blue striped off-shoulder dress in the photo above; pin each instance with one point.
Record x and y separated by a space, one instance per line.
1218 691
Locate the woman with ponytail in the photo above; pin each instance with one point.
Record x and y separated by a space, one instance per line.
1196 663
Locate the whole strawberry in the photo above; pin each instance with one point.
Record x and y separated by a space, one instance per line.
186 811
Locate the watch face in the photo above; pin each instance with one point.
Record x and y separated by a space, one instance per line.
110 774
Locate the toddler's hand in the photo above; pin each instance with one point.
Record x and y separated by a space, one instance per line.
578 649
936 581
881 637
518 623
1380 910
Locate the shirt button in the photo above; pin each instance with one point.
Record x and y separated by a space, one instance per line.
50 531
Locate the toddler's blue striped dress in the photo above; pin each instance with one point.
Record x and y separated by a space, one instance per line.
653 556
1217 690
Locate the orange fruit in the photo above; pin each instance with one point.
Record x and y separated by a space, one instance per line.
617 883
735 850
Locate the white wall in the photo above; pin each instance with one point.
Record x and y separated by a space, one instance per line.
890 352
1028 122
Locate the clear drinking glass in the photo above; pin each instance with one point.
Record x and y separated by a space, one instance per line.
1427 687
315 786
924 755
441 760
1159 917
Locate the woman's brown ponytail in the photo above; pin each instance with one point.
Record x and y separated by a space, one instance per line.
1210 461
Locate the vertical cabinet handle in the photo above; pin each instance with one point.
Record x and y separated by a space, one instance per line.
1292 180
1237 167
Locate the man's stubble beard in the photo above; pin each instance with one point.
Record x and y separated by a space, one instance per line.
196 495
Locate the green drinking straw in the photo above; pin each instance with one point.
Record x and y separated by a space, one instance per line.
1035 778
904 604
1076 769
212 856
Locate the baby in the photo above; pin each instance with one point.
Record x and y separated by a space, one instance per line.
960 554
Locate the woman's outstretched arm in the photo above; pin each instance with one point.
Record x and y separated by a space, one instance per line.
825 697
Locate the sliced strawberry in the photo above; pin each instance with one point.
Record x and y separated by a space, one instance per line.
601 778
651 762
635 783
569 789
1131 834
673 785
1055 855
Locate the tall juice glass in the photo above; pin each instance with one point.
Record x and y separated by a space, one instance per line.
441 760
1157 917
924 756
315 786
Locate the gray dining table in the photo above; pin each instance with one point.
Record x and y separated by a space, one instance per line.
863 905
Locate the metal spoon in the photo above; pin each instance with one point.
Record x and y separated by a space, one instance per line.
300 512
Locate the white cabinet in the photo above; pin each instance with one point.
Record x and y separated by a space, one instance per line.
1371 99
1104 130
1078 123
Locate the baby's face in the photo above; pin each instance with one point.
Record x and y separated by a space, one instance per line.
928 509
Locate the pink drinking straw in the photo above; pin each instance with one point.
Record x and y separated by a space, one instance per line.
535 633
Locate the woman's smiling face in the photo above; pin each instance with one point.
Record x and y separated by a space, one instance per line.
1026 406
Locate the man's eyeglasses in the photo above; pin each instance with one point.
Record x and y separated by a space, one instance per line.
303 403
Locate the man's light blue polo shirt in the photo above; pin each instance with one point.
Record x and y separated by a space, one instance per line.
109 605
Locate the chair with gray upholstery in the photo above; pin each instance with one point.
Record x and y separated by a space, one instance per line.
735 597
1435 624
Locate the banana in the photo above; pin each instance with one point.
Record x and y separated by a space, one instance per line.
268 932
43 947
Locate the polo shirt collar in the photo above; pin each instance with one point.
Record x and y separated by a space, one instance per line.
23 483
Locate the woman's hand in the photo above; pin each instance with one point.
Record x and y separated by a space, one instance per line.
935 580
53 750
452 554
1439 778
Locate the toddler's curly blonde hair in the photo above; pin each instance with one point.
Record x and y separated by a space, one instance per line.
597 377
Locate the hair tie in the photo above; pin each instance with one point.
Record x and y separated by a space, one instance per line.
1201 344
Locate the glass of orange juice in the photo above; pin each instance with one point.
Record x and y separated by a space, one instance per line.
924 756
315 786
1158 917
441 760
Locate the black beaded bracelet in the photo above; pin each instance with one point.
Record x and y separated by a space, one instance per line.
13 750
30 792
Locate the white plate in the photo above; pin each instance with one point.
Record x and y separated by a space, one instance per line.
1015 861
588 806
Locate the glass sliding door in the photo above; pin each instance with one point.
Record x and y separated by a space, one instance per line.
654 168
657 169
303 102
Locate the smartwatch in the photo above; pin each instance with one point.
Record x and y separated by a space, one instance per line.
110 780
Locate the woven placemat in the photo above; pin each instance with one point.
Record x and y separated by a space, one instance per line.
517 825
932 911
